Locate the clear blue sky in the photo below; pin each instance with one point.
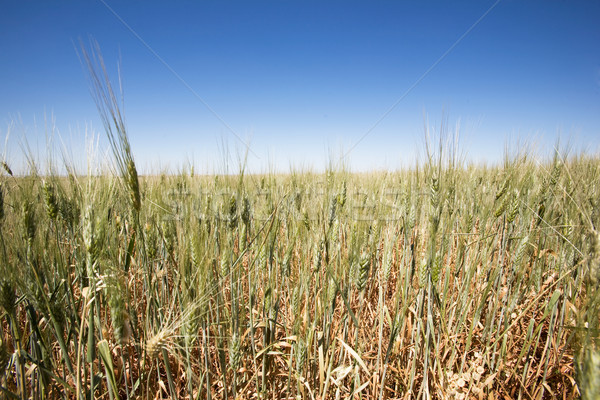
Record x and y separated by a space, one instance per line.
303 81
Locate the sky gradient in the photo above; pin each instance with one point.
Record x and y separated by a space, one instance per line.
302 83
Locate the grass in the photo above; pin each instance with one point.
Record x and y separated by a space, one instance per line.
444 281
438 282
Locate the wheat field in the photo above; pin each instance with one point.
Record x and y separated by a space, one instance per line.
438 282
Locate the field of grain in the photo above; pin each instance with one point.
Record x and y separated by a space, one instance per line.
443 281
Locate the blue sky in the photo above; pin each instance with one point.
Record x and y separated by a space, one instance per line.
302 82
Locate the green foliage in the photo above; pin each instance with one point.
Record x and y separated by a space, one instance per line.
443 280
